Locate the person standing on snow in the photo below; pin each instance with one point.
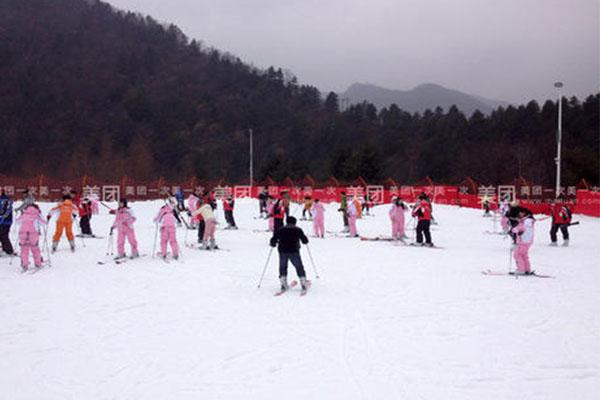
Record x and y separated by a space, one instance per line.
29 235
124 220
66 212
561 218
193 203
270 209
422 211
263 196
397 218
208 216
85 215
28 199
166 221
318 212
352 215
288 240
308 202
6 220
344 210
278 214
524 233
228 205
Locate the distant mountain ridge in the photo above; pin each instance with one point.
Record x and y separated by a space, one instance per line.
421 98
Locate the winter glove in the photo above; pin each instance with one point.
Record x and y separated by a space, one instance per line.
48 218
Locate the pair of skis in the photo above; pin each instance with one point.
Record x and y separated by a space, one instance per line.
490 272
123 260
293 284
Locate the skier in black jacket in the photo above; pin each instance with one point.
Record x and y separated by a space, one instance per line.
288 239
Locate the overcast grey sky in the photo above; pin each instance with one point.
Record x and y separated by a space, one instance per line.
511 50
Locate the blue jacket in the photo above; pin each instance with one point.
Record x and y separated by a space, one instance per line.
6 210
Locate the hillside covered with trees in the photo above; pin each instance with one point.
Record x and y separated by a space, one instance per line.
87 89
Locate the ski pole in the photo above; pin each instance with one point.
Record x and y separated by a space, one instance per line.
81 234
265 268
46 246
109 245
312 261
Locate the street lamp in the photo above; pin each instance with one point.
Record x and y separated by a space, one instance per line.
251 159
558 85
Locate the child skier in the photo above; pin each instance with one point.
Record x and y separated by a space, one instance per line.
344 210
168 231
193 203
208 216
29 234
318 212
561 218
352 212
308 202
270 208
85 215
288 239
124 220
6 220
397 218
524 232
228 205
278 214
422 211
504 207
28 199
66 212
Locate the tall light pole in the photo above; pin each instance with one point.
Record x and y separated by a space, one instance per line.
558 85
251 158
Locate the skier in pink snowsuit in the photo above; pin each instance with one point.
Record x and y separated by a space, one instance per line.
352 214
318 213
270 210
193 204
124 223
168 231
29 234
397 217
524 231
503 210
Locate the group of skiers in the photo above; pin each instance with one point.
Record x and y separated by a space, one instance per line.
516 221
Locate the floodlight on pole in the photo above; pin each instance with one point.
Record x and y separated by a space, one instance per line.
558 86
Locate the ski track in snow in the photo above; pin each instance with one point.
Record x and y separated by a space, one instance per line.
383 322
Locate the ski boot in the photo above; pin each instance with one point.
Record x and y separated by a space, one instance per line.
553 244
120 257
428 244
54 246
304 284
176 257
566 243
205 245
284 284
24 268
213 244
72 244
134 254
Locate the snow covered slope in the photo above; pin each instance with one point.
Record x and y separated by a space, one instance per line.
383 322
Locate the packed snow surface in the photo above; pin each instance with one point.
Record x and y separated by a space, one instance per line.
382 322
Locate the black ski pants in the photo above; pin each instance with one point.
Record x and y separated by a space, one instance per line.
296 262
229 217
423 228
201 226
84 224
5 239
564 229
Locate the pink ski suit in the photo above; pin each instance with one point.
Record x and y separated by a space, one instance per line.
318 212
29 234
168 230
352 214
397 218
124 224
503 218
193 203
270 210
524 233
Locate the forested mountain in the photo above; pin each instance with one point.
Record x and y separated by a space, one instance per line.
86 89
421 98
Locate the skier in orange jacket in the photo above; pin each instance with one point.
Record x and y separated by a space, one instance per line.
66 211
